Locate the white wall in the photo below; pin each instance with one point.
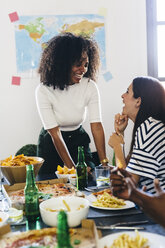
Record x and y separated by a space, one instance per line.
126 58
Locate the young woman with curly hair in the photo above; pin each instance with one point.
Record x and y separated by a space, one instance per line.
68 71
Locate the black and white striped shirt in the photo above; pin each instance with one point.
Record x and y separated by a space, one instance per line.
148 156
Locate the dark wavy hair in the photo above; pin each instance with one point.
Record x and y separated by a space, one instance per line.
152 96
61 52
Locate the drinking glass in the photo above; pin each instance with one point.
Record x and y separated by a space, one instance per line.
102 175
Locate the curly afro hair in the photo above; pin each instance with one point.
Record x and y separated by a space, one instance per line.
61 52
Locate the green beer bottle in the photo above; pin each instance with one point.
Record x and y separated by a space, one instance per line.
31 195
63 237
113 159
81 170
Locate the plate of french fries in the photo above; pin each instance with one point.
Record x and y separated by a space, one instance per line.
134 239
107 201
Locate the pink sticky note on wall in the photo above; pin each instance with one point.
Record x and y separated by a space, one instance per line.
16 80
13 17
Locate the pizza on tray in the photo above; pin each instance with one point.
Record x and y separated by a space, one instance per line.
47 238
46 191
43 237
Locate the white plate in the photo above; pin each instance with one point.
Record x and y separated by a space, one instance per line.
91 198
4 216
154 240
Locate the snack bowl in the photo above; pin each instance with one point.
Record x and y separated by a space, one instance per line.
17 174
76 208
3 218
64 175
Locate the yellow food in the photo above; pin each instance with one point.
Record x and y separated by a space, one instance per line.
51 210
66 170
107 201
125 241
60 169
66 205
19 160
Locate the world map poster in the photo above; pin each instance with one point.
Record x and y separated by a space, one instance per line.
32 33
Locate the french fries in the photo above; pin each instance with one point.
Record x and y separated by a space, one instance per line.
107 201
66 205
125 241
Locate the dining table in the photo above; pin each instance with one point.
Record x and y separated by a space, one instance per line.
132 217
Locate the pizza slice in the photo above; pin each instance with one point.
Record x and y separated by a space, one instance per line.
46 191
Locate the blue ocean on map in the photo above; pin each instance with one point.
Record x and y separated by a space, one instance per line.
32 32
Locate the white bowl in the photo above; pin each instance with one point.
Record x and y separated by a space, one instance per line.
64 175
3 218
75 216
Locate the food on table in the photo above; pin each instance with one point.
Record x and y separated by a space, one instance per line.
102 192
66 170
66 206
19 160
107 201
47 237
41 237
46 191
125 241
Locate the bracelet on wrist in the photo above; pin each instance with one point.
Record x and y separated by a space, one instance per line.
105 160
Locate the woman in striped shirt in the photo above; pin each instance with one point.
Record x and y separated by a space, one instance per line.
144 104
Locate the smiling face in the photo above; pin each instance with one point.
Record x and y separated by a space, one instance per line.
79 69
131 104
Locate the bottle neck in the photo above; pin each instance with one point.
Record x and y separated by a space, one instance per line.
63 236
81 157
30 180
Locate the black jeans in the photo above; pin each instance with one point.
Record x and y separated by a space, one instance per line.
73 139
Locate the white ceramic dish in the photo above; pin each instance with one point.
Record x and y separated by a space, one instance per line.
64 175
75 216
91 198
154 240
3 218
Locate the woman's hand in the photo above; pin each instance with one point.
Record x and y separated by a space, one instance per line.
122 183
115 140
120 124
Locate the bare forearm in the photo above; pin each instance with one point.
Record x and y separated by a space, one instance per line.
119 156
152 205
61 149
99 139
